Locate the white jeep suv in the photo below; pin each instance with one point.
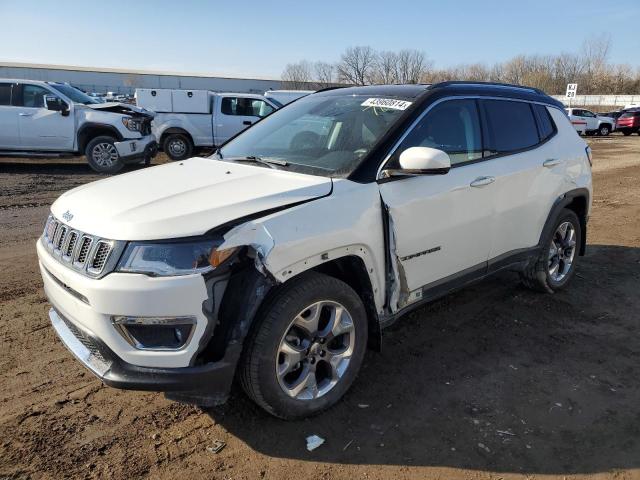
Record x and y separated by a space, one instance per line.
279 259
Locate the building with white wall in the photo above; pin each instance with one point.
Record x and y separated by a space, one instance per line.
103 80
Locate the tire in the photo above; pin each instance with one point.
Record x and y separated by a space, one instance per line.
102 155
177 146
539 273
267 354
626 133
604 130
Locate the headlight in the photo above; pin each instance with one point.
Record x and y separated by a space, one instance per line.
168 259
132 124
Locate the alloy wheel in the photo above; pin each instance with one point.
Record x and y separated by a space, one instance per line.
562 251
315 351
105 154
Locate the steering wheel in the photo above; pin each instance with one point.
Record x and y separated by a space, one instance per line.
305 141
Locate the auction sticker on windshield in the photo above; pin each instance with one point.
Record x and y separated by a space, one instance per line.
386 103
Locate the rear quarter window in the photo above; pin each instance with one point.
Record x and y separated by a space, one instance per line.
510 125
546 127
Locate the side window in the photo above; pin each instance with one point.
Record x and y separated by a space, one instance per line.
260 108
230 106
246 107
5 94
510 126
452 126
587 113
546 127
33 96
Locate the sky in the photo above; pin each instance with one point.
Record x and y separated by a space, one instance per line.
258 38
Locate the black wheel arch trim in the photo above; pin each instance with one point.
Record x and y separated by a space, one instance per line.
82 131
560 204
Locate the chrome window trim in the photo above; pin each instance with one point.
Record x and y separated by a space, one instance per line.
396 145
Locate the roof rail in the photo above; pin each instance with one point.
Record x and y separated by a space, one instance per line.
335 87
486 84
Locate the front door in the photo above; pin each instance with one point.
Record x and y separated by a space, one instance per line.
238 113
441 224
42 129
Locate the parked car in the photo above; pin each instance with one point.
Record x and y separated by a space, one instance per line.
590 122
629 122
190 119
286 96
280 258
49 118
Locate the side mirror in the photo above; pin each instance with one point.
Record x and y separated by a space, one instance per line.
424 161
56 104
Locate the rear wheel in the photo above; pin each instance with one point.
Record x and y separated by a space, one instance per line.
555 266
307 349
177 146
103 156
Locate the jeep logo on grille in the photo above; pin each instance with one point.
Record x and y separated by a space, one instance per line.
67 216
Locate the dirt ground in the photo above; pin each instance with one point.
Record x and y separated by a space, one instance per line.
492 382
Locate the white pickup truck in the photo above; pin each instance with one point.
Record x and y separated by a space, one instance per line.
588 123
190 119
45 119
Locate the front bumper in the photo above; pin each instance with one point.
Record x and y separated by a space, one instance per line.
210 380
133 149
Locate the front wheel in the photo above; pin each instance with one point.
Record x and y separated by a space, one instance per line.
177 146
103 156
604 130
307 349
556 264
626 133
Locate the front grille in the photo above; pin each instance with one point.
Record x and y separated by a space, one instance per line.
100 256
83 252
72 238
88 254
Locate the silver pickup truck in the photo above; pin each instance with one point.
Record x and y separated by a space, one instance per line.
186 120
47 119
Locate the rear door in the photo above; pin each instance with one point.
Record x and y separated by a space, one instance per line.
9 132
237 112
40 128
441 224
528 170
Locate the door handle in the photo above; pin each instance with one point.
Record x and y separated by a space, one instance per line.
552 162
483 181
22 114
247 122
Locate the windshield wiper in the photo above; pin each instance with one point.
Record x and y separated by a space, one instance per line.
263 161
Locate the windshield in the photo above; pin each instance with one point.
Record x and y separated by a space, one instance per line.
75 95
320 134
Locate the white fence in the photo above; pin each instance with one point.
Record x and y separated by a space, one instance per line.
597 100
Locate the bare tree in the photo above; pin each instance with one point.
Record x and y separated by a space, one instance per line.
411 66
356 65
297 76
386 68
324 74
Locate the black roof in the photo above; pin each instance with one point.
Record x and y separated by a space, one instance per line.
449 88
404 91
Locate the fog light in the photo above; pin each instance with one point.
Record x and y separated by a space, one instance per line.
155 333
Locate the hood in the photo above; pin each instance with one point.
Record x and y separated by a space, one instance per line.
117 107
182 199
606 118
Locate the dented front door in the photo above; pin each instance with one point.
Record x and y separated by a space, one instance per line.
441 225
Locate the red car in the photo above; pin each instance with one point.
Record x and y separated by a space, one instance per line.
629 122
